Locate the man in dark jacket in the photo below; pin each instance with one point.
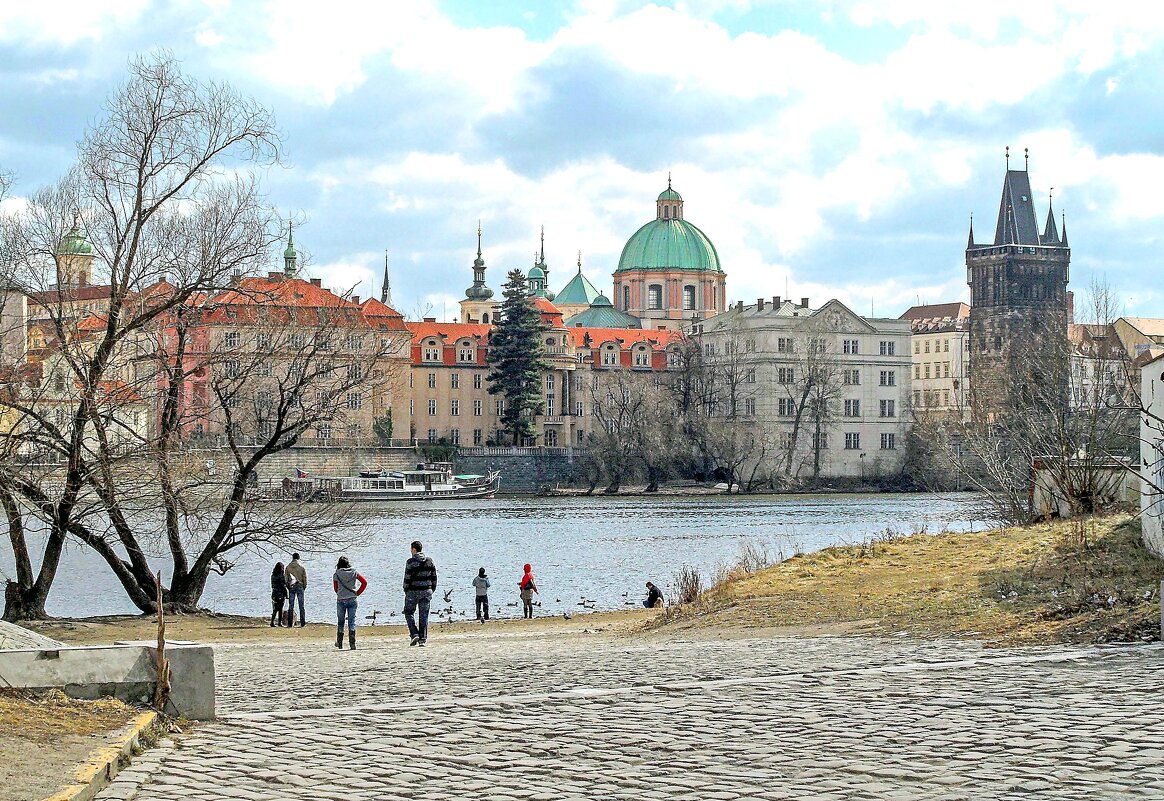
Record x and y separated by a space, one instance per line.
420 582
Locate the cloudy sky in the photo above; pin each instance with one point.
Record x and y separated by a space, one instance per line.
829 149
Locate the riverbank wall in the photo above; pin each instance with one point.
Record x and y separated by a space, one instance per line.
524 471
324 461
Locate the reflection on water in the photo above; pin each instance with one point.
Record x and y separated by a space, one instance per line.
600 550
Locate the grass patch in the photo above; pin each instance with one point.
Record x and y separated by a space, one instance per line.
1038 584
50 716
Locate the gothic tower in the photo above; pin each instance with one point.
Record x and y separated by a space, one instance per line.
1018 303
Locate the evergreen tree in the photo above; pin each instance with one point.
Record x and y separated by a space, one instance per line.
515 356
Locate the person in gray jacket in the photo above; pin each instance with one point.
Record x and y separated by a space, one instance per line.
482 584
420 582
348 585
296 586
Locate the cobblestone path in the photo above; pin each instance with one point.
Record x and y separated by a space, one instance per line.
510 717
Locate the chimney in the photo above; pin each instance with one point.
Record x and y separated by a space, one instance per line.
804 303
759 304
430 319
356 299
317 282
739 305
776 302
1070 307
274 276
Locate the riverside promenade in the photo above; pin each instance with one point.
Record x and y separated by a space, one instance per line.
506 715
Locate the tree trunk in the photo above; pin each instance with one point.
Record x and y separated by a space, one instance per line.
23 603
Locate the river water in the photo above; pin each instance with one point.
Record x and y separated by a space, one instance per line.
598 551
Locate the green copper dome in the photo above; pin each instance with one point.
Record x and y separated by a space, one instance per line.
669 244
536 272
669 194
578 292
602 314
74 244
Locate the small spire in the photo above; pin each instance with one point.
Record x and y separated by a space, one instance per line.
478 239
1026 159
1008 158
543 247
668 179
1064 241
970 240
579 262
290 233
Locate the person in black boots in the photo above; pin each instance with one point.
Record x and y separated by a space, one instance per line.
348 585
278 594
481 585
420 582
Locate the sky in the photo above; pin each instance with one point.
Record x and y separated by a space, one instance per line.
829 149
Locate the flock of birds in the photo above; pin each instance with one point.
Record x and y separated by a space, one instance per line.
447 613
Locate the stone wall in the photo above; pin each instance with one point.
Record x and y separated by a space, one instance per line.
328 461
524 470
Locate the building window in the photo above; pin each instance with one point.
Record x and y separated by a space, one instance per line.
655 296
432 435
852 442
852 407
551 438
625 298
263 341
888 378
888 408
549 405
432 407
945 397
266 370
578 408
432 380
917 372
927 347
750 407
477 408
945 346
412 408
455 407
355 342
926 371
820 441
355 372
785 375
851 347
500 406
432 354
476 436
851 378
784 345
550 382
688 298
917 397
916 346
785 407
888 442
642 358
324 431
787 442
231 340
355 401
888 347
232 368
455 380
455 436
945 369
476 380
609 356
465 355
749 346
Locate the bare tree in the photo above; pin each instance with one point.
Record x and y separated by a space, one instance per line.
162 210
810 382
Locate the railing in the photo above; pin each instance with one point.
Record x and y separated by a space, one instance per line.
512 451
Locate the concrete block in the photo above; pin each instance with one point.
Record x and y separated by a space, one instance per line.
125 671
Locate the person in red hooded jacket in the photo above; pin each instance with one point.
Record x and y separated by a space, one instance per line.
528 588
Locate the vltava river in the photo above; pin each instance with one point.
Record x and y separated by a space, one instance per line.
596 549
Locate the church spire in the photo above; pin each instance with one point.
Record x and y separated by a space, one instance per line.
579 262
386 286
1050 234
1063 242
479 291
970 239
290 256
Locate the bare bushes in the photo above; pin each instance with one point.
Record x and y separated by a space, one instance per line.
688 585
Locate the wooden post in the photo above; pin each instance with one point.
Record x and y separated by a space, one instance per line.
162 665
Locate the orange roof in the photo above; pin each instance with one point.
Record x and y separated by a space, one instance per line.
625 336
382 315
447 331
304 298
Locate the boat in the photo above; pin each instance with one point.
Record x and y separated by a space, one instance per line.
425 483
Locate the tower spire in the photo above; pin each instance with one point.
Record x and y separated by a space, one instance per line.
543 245
386 286
970 239
478 240
1050 234
1026 159
1064 241
290 256
579 262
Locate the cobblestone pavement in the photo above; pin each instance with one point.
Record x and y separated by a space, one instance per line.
508 717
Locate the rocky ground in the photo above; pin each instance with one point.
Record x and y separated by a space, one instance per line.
505 714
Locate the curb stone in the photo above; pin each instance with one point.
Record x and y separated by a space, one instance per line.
103 765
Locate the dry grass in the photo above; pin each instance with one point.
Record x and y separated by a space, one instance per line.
51 716
1007 586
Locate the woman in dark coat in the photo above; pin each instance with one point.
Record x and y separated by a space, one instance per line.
278 594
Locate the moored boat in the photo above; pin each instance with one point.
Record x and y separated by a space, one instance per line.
423 484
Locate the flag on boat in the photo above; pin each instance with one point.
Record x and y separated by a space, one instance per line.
300 473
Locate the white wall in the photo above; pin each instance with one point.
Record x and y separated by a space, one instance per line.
1152 455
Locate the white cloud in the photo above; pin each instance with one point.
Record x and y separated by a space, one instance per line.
66 22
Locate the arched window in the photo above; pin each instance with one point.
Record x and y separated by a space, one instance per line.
666 212
655 296
485 318
626 298
688 298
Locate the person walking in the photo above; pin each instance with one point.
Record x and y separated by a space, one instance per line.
481 584
654 597
348 585
528 588
278 594
420 582
296 585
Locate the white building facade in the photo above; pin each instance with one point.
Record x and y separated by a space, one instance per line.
939 341
858 369
1152 450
